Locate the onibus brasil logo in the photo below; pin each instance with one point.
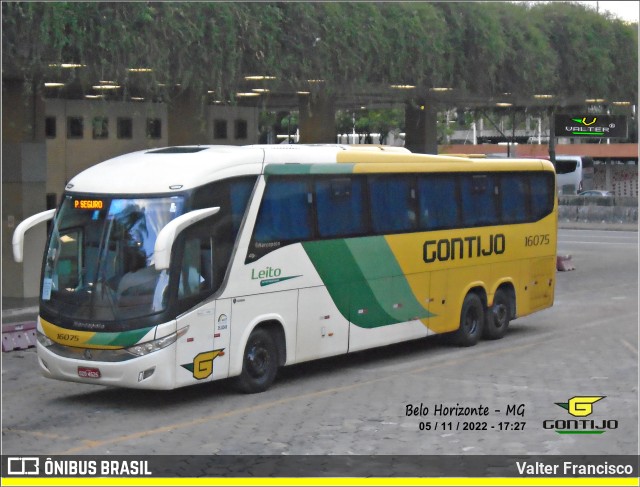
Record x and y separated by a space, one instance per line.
580 407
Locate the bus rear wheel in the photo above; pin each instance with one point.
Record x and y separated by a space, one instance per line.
259 362
471 321
498 316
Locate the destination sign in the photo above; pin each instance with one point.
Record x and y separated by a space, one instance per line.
88 204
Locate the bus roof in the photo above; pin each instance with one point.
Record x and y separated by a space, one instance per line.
180 168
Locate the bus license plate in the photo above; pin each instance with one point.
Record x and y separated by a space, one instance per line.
89 372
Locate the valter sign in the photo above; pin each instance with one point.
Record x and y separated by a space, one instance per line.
598 126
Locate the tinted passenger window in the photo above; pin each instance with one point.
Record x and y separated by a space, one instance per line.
513 197
231 195
438 202
204 250
285 212
392 204
340 207
542 195
196 268
479 200
239 193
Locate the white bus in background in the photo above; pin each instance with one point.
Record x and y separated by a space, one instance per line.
574 173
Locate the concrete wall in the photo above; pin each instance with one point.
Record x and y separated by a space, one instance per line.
67 156
598 210
23 185
621 179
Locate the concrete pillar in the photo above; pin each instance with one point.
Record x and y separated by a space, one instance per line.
187 122
608 178
421 127
317 119
24 176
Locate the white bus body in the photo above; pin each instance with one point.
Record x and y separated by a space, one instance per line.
574 173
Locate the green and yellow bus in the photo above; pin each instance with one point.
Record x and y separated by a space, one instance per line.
175 266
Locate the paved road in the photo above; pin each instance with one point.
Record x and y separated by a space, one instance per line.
586 345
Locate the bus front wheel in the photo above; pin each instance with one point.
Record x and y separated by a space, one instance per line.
471 321
259 362
498 316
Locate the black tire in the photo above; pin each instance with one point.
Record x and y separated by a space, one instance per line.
498 316
259 362
471 321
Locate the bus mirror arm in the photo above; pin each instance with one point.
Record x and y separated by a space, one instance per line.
21 229
166 237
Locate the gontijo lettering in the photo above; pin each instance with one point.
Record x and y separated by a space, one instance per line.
461 248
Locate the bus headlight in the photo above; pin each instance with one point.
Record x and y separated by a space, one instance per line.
43 339
154 345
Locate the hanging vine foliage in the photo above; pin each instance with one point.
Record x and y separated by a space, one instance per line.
484 48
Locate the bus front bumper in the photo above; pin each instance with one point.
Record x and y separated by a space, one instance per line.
153 371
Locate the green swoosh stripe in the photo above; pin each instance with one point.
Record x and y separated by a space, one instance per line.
122 339
365 281
275 280
304 169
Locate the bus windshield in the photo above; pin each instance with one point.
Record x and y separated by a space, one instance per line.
99 264
566 167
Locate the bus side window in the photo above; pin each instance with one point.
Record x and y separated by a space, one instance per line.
513 197
239 194
231 195
340 207
479 200
393 206
204 256
285 212
542 197
438 202
196 267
